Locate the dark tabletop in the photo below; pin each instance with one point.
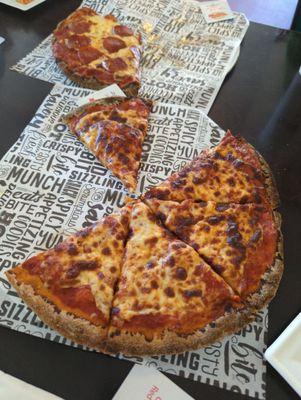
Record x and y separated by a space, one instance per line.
260 98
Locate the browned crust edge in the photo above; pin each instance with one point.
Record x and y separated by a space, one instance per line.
76 329
91 83
270 183
169 342
106 101
271 279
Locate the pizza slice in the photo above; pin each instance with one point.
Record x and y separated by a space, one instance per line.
237 147
242 243
167 295
97 51
217 175
114 130
71 287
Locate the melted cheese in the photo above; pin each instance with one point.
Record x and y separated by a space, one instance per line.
239 241
214 176
103 28
164 283
91 258
100 29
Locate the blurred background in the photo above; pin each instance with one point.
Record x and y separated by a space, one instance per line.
285 14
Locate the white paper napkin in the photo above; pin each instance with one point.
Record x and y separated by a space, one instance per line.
146 383
12 388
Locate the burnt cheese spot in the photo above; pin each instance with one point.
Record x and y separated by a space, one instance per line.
73 272
115 311
181 273
113 269
237 163
231 181
83 233
72 249
170 260
192 293
198 270
169 292
114 116
217 156
188 189
182 221
218 268
150 265
215 219
161 216
198 180
151 241
196 246
178 245
160 194
176 183
255 237
154 285
106 251
115 243
221 207
123 158
79 266
100 275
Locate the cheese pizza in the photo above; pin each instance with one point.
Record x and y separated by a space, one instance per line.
114 130
191 261
223 174
71 287
239 241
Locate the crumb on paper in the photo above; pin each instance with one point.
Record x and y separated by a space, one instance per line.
147 27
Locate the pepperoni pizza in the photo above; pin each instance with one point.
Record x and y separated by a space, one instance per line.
96 51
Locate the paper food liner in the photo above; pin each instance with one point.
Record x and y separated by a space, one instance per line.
185 59
51 186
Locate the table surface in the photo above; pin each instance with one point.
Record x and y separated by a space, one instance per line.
260 98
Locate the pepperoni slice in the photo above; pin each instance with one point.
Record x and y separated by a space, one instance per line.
123 30
80 26
114 64
86 11
111 17
61 32
103 76
69 56
77 41
88 54
113 44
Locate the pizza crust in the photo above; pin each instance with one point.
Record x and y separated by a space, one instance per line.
105 102
270 183
91 83
74 328
169 342
271 279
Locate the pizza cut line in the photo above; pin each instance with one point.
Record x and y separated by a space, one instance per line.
165 275
96 51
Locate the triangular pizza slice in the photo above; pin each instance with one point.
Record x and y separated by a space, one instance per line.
240 242
71 287
113 129
227 173
97 51
167 295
